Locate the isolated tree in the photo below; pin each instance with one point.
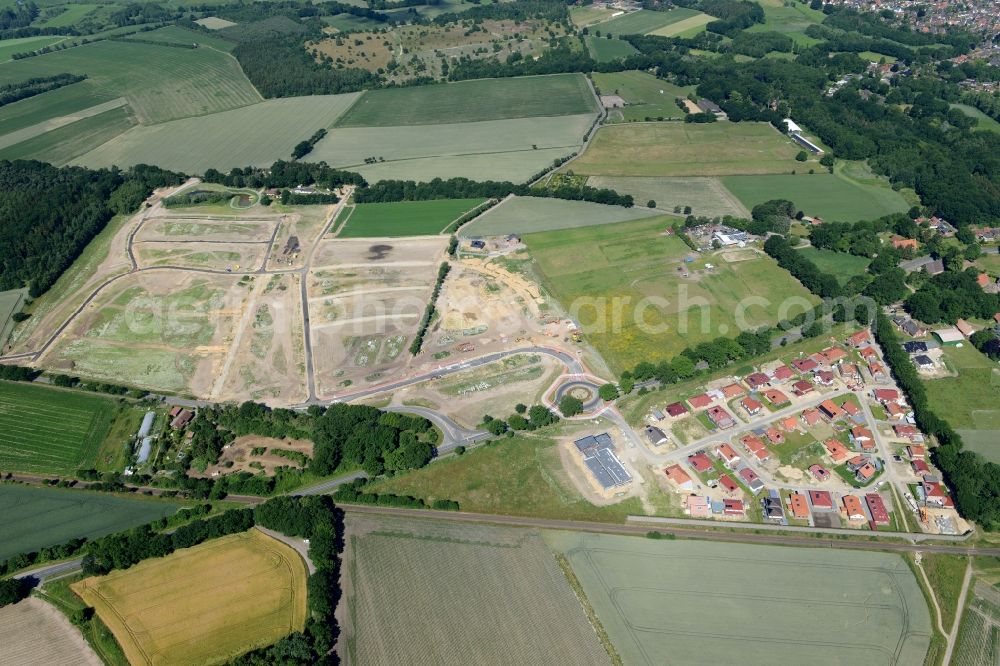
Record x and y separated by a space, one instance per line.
608 392
802 156
651 204
570 405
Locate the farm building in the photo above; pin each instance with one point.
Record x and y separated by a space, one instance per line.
795 132
145 448
599 457
180 417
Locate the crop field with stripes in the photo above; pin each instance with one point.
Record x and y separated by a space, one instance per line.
50 431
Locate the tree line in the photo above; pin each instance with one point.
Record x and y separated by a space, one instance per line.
15 92
285 174
463 188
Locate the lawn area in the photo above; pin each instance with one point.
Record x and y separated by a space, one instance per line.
625 285
790 18
989 263
161 83
416 589
985 122
72 14
522 476
10 303
644 21
513 149
841 264
605 50
213 602
521 215
970 402
688 599
688 27
582 15
705 195
50 430
405 218
32 518
469 101
9 47
646 95
946 573
684 149
255 135
829 196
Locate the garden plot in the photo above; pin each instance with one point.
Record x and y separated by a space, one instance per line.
431 593
697 602
366 300
160 329
265 362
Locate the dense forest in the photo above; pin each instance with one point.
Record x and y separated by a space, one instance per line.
52 213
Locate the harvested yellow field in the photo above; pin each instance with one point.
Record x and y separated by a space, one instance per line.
34 633
203 605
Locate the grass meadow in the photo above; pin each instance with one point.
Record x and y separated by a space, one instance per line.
10 302
522 215
647 96
625 285
842 264
57 103
790 18
405 218
523 476
62 144
602 49
161 83
688 27
51 431
970 402
213 602
470 101
254 135
9 47
831 197
644 21
985 122
702 602
683 149
32 518
705 195
434 593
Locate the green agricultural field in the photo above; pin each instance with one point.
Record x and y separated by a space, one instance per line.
830 197
644 22
688 27
970 402
706 196
470 101
44 127
73 14
985 122
467 590
582 15
173 34
683 149
255 135
790 18
61 145
625 283
841 264
161 83
523 476
53 105
646 95
9 47
513 149
351 23
405 218
683 602
521 215
32 518
605 50
51 431
10 303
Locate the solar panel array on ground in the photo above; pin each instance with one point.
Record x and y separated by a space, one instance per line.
600 459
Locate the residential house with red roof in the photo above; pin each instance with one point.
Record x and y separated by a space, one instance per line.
700 401
850 373
876 507
859 338
776 397
916 452
802 387
920 467
700 462
850 408
756 448
734 507
720 417
782 373
837 451
877 371
895 412
800 506
853 508
900 243
805 364
865 473
812 417
820 472
830 410
907 431
752 480
728 485
791 423
821 499
698 506
833 355
728 455
824 377
732 391
752 406
676 409
679 477
757 380
775 435
862 437
935 494
869 354
886 396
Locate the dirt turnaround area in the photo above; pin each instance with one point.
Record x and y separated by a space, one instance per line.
33 633
205 604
